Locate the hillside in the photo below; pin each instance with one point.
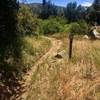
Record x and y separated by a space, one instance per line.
36 7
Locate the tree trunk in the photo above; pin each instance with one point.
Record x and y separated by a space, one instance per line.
44 2
70 46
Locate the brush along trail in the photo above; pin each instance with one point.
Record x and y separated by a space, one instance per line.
75 81
83 77
55 45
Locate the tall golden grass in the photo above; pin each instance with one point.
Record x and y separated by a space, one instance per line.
77 79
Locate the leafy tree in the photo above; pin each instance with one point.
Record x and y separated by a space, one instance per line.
27 23
48 10
8 28
74 13
96 6
51 26
10 44
83 27
74 28
70 11
60 12
91 15
79 28
44 2
81 12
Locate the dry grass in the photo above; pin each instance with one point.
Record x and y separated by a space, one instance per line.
33 48
60 79
84 70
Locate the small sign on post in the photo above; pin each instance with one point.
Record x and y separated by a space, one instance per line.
70 45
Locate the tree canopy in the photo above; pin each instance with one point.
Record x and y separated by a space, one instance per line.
96 6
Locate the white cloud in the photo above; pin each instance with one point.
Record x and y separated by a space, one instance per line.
87 4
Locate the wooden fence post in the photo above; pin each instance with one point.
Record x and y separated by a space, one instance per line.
70 45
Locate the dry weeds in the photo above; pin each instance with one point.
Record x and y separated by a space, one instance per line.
60 79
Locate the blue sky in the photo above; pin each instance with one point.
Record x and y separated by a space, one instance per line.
63 2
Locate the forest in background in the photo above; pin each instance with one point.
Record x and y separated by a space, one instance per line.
54 19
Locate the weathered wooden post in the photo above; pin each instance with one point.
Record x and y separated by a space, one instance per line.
70 44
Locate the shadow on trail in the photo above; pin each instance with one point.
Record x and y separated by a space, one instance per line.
10 87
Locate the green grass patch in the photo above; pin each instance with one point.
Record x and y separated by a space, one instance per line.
33 48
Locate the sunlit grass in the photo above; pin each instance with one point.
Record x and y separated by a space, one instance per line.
33 48
58 79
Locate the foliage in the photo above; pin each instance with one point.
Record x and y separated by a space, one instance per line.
32 49
27 23
48 10
83 27
8 20
81 12
58 24
70 11
9 40
80 27
60 12
44 2
52 26
74 12
91 15
96 6
74 28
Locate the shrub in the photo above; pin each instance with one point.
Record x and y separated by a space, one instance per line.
74 28
79 28
83 27
27 23
51 26
66 28
61 20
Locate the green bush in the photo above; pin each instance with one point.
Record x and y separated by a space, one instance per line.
27 23
61 20
74 28
66 28
79 28
83 27
51 26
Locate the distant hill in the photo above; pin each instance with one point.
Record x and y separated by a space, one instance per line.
36 7
39 5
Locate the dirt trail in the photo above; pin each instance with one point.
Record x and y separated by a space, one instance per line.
55 45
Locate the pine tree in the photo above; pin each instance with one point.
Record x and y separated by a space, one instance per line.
8 28
96 6
44 2
8 19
